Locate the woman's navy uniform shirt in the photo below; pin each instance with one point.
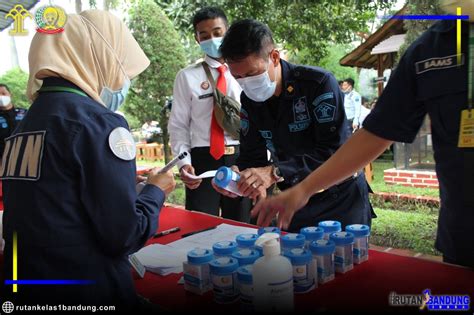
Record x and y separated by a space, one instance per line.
429 81
302 128
9 119
72 203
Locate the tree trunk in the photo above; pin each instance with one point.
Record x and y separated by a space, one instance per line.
107 5
14 53
165 135
78 6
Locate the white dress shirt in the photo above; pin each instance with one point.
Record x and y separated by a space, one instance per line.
352 105
189 125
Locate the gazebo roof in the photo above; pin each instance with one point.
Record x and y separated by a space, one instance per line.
364 57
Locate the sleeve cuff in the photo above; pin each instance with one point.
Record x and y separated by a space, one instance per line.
155 193
185 161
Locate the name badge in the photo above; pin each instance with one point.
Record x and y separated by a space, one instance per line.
205 96
466 130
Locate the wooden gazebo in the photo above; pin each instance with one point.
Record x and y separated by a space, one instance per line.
378 51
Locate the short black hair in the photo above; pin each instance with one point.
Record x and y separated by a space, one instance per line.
208 13
5 86
340 82
350 81
247 37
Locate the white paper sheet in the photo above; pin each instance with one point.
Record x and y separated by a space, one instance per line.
223 232
166 259
161 259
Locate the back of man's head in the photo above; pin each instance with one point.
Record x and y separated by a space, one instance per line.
247 37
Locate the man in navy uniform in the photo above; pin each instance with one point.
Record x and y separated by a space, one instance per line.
296 113
69 170
429 79
10 115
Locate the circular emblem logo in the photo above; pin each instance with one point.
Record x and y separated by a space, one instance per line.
50 19
205 85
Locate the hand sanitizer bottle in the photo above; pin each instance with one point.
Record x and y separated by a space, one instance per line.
272 277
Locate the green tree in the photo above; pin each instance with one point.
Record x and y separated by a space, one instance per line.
331 61
305 27
161 43
17 81
416 27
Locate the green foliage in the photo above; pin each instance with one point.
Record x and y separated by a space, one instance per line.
178 196
416 27
160 42
17 81
307 28
331 62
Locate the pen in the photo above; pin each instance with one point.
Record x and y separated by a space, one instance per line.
196 232
166 232
173 162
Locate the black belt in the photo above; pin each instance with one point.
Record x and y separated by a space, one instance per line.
228 149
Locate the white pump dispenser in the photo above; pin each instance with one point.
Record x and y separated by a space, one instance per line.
272 277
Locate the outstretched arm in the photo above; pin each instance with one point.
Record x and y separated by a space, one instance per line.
358 151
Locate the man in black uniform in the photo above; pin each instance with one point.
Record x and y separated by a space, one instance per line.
428 80
297 114
9 115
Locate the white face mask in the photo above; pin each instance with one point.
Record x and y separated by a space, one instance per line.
258 88
450 6
5 100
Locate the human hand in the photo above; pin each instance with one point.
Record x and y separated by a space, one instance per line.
254 182
223 191
188 181
164 181
285 204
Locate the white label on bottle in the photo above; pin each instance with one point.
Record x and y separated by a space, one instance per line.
246 292
300 272
281 296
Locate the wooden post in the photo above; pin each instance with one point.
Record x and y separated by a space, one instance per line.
380 69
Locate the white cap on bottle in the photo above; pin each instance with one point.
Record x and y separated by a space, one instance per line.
270 244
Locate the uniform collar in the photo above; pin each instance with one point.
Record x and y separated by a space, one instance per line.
55 81
445 26
213 63
288 83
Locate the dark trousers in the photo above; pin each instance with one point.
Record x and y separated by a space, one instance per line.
347 203
205 198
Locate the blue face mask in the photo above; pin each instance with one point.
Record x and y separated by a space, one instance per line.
211 47
113 99
258 88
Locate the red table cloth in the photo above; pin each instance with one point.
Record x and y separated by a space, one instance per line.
366 287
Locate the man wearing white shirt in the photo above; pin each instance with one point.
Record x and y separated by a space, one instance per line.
352 104
192 124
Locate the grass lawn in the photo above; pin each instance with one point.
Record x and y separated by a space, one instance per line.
150 163
409 230
378 184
